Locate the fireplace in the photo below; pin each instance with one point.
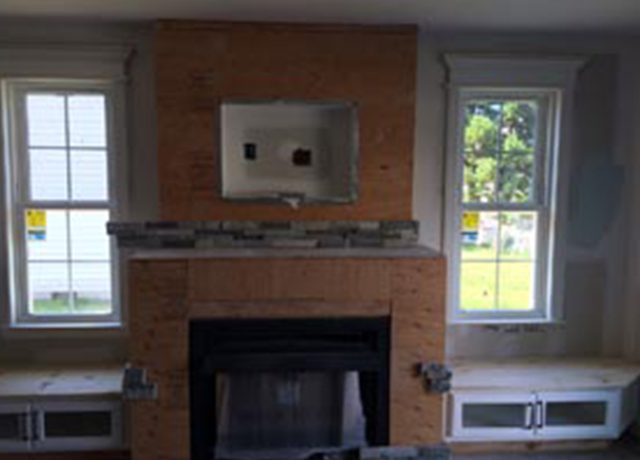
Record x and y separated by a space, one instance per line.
285 388
177 299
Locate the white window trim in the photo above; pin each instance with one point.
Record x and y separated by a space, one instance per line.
61 67
555 77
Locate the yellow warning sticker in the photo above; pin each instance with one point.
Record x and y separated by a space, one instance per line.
470 221
36 224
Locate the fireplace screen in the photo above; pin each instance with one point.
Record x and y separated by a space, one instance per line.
287 413
287 388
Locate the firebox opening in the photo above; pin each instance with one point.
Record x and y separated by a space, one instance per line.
288 413
287 388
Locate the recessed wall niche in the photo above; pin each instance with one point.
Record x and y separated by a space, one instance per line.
289 151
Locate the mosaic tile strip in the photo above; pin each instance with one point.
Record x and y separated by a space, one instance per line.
255 234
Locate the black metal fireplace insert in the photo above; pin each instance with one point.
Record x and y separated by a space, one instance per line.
268 386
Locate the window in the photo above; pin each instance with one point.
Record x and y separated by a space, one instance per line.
505 196
504 200
60 156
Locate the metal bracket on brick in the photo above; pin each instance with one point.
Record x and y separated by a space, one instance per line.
135 385
436 376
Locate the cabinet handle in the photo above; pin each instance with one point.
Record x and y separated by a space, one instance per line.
37 425
24 426
539 414
528 416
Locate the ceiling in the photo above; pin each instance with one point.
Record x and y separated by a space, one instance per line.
508 15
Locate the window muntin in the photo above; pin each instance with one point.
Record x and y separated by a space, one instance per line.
63 269
502 204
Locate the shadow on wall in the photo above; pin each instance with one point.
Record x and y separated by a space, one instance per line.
595 200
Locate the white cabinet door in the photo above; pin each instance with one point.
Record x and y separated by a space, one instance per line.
478 416
15 427
578 414
78 425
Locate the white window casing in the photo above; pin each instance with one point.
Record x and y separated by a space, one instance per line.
549 82
58 70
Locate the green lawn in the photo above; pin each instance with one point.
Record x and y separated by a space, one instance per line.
473 252
478 280
62 306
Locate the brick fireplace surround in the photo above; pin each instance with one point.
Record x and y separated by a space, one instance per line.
169 288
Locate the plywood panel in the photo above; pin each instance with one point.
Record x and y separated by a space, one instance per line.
158 314
158 342
288 309
197 65
50 381
544 374
271 279
418 332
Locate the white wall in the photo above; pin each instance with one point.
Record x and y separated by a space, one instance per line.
630 306
604 134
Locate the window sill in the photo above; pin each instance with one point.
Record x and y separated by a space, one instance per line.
70 325
63 330
505 321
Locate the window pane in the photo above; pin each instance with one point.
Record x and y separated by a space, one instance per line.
518 126
480 171
89 239
89 175
518 232
482 124
87 124
46 120
46 233
516 172
481 134
478 286
48 174
92 288
479 235
516 286
48 288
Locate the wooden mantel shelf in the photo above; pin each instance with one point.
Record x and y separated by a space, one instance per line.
543 374
413 252
61 382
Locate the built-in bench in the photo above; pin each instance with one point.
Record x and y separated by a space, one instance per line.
541 400
61 410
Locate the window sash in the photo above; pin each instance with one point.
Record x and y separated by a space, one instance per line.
541 204
540 260
543 147
20 200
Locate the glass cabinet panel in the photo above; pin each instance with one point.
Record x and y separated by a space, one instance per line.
576 413
11 427
77 424
580 414
479 416
14 427
495 415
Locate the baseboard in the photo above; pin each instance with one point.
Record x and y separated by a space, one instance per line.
520 447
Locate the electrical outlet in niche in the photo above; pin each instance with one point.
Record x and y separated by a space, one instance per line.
250 151
295 153
302 157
